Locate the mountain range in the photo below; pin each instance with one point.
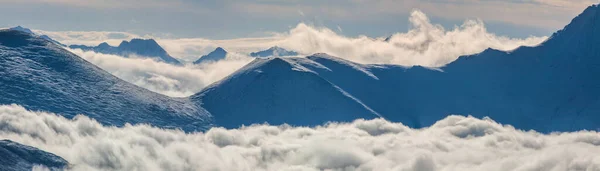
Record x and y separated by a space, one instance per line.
140 47
549 87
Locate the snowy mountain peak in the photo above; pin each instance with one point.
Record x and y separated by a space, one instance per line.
23 29
277 91
216 55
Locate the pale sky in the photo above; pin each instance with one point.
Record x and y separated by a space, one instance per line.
224 19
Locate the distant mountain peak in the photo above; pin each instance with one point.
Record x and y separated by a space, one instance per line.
219 49
274 51
216 55
103 44
148 43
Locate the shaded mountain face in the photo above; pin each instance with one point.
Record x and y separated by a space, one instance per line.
18 157
140 47
550 87
216 55
278 91
40 75
274 51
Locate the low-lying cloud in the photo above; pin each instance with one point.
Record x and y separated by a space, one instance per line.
160 77
454 143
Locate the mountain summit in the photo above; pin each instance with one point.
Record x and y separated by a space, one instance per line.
216 55
140 47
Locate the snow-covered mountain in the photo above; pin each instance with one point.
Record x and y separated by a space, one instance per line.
216 55
274 51
18 157
140 47
40 75
26 30
278 91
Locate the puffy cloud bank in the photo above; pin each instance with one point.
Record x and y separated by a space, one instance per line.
454 143
160 77
425 44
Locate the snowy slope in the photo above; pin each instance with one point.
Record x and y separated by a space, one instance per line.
274 51
43 76
277 91
140 47
18 157
216 55
26 30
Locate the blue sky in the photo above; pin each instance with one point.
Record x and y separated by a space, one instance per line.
233 19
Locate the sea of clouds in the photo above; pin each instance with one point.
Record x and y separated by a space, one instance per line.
424 44
454 143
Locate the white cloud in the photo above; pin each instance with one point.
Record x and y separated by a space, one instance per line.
426 44
167 79
454 143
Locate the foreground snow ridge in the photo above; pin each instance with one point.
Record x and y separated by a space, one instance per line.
453 143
